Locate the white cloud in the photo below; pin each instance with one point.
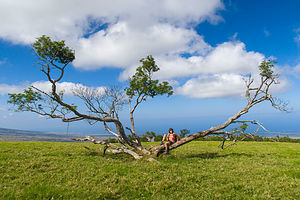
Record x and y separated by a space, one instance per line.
229 57
136 28
233 57
296 69
218 85
281 87
5 88
289 70
223 85
71 19
66 87
131 30
3 108
122 46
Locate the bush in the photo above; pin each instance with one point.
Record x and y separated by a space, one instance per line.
210 138
158 138
111 140
255 138
184 132
144 139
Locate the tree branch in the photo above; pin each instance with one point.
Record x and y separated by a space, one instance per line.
116 148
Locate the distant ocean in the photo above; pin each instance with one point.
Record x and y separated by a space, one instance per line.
291 134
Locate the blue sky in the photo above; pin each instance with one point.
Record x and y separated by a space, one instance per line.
203 49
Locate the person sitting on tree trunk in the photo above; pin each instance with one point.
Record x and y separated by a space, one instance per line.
171 138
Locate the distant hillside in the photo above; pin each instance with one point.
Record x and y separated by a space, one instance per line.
23 135
17 132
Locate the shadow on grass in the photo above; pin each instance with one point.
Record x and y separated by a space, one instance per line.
217 155
109 155
207 155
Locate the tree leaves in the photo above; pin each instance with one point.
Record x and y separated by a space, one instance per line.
266 68
26 100
53 50
141 82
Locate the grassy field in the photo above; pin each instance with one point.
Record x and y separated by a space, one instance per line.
198 170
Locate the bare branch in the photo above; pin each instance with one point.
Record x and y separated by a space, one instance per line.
116 148
252 122
132 122
106 128
280 104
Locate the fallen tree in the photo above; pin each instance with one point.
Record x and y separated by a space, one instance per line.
104 105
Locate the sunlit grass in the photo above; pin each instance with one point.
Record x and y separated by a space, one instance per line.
198 170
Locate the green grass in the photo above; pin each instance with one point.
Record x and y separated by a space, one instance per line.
198 170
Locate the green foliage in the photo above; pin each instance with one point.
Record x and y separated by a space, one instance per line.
254 138
158 138
150 134
242 128
184 132
144 139
26 101
50 53
68 109
131 137
210 138
34 101
288 139
250 170
111 140
141 82
53 50
266 68
281 139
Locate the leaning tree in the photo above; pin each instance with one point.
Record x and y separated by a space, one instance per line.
104 105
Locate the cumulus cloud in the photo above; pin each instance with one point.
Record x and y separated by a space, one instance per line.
5 88
289 70
297 69
134 28
66 87
117 33
218 85
122 45
72 19
228 57
222 85
281 87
